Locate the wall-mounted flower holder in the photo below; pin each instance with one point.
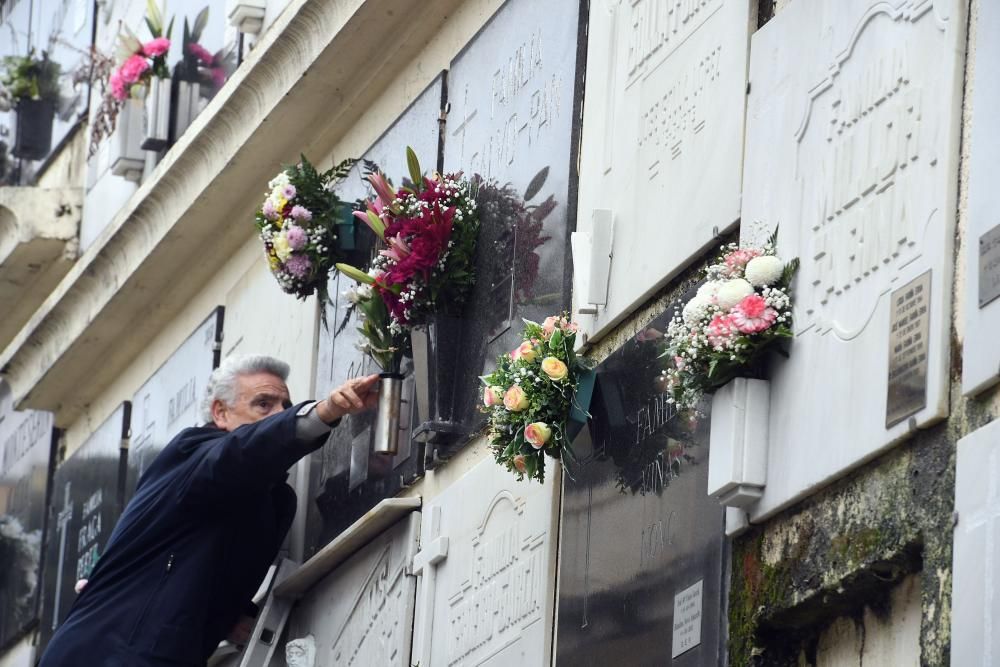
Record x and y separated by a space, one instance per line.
126 156
246 16
156 120
34 128
435 370
387 421
579 411
188 99
737 465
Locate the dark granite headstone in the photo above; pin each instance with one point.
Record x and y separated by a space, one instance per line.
170 400
640 536
25 448
88 490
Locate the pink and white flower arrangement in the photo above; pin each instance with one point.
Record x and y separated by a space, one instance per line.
139 61
742 310
530 396
297 223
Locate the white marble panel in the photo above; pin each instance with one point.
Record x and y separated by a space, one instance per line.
854 152
980 353
494 592
362 613
662 136
975 607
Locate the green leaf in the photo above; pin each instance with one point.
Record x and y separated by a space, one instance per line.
413 165
200 22
376 224
556 338
356 274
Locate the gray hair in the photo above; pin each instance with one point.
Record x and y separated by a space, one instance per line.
222 382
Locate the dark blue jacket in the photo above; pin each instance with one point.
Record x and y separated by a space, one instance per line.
207 519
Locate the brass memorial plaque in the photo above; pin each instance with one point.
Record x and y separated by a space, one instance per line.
909 325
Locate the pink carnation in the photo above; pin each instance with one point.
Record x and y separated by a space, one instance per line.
298 266
118 90
133 68
201 53
720 330
301 213
156 47
753 315
737 260
296 237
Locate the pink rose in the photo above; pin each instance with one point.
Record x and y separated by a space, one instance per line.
554 368
753 315
133 68
537 434
720 330
515 399
156 47
296 237
524 352
519 464
549 325
492 396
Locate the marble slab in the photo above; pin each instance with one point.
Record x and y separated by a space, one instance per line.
662 137
852 154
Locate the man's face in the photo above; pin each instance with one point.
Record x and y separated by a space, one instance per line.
258 395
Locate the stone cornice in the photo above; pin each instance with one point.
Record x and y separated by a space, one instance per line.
314 72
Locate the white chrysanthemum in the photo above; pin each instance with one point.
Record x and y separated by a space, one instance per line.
279 181
765 270
709 290
732 292
695 308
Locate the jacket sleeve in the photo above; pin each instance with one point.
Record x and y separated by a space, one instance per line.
245 460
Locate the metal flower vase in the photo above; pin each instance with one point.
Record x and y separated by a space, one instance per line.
34 128
156 120
387 424
125 154
737 458
435 365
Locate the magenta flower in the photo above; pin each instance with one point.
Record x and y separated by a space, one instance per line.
753 315
296 237
298 266
301 213
133 69
118 90
156 47
218 76
288 192
201 53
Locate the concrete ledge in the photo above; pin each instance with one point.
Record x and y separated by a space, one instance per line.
312 75
39 241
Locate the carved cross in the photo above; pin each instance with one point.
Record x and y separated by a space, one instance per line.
62 521
425 563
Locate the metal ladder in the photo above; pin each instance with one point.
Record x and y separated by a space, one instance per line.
271 621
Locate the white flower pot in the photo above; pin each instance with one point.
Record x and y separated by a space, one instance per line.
737 458
246 16
126 156
156 124
188 106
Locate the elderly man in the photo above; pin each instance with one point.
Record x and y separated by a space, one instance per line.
207 519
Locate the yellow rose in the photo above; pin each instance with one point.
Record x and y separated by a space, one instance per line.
554 368
537 434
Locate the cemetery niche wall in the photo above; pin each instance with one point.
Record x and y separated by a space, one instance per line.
87 500
170 400
642 544
874 234
27 441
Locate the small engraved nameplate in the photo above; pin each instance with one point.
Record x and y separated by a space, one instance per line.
909 325
687 620
989 266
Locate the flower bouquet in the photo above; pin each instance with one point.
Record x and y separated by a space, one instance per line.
297 222
535 395
743 310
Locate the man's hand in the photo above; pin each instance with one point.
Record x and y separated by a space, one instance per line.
353 396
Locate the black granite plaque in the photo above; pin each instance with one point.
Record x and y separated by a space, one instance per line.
511 98
989 266
87 499
640 536
909 330
170 400
25 447
346 477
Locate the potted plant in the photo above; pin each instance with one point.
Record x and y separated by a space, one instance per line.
429 229
538 398
31 85
142 74
718 343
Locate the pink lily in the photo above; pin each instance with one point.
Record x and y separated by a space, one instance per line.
398 249
384 191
